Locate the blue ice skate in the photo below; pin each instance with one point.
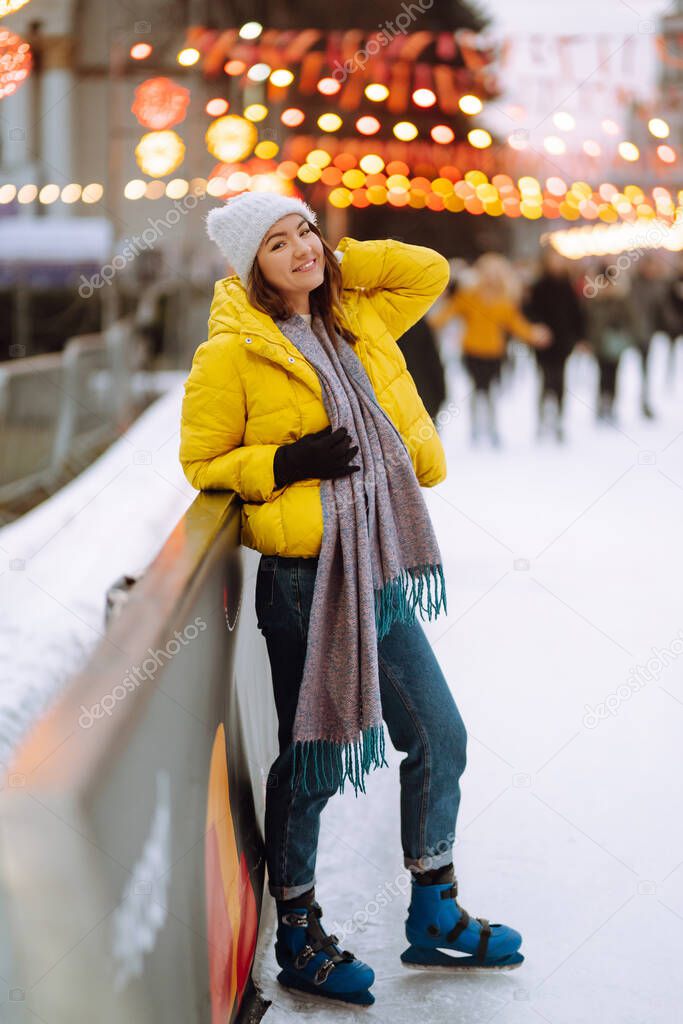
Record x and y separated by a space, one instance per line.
436 923
312 962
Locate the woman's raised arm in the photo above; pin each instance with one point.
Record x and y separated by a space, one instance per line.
401 281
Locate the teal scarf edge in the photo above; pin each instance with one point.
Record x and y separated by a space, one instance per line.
422 587
326 763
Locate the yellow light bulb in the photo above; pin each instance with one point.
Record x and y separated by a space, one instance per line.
255 112
371 163
479 138
329 122
376 92
188 57
628 151
281 77
405 130
658 127
470 104
251 30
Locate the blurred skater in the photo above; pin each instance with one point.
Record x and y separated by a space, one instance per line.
673 317
488 311
554 301
421 353
649 291
612 326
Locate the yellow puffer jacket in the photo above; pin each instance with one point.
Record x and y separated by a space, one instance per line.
250 390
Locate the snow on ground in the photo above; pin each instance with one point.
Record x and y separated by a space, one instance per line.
564 569
58 561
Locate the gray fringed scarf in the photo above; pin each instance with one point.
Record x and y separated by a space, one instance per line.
379 561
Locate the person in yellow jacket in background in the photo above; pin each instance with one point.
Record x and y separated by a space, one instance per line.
489 312
301 402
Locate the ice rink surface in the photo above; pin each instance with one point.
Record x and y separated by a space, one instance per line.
563 646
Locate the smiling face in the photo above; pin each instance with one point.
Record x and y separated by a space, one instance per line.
291 260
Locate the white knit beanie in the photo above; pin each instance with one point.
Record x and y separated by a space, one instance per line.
238 227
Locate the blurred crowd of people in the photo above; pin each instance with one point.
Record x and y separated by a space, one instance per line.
557 307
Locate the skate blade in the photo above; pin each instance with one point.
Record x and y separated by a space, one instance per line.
419 961
361 999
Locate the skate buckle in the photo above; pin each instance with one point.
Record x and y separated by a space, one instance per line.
323 971
303 957
295 920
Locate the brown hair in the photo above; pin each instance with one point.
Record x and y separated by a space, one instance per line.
325 299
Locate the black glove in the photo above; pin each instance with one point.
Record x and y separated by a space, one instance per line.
323 455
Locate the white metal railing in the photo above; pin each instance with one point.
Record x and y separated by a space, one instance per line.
55 407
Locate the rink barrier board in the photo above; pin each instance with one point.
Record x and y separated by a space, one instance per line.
131 852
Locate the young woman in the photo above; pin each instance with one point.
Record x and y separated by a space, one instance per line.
301 402
489 311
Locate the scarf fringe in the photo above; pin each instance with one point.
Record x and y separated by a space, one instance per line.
421 587
325 763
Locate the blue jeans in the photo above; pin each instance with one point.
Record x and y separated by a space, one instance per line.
420 714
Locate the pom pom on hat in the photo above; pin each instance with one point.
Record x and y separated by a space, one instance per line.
239 226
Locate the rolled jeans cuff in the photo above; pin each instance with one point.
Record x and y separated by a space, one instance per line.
428 863
289 892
